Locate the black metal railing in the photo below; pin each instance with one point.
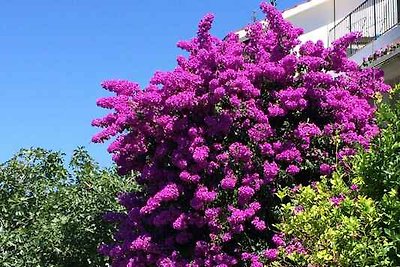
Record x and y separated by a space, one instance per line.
372 18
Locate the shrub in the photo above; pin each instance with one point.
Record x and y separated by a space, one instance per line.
214 138
379 169
52 215
331 224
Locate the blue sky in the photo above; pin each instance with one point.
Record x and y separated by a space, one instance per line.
54 54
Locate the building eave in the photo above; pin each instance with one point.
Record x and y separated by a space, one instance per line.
293 11
302 7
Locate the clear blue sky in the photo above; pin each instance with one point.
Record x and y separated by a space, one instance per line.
54 54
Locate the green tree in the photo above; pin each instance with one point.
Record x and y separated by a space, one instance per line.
51 215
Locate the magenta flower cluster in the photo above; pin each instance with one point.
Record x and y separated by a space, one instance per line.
213 138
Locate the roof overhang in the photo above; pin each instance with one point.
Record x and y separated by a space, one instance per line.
302 7
293 11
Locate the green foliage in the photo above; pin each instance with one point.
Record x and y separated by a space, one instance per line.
379 169
50 214
337 226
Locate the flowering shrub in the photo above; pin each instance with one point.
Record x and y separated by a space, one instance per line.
213 139
332 224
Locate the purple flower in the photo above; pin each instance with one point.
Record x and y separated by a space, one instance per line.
354 187
293 98
237 216
266 149
168 193
278 240
240 152
306 131
271 254
187 177
229 181
141 243
298 209
276 111
337 200
325 169
244 194
271 170
291 154
201 153
226 237
292 169
202 196
180 223
295 247
260 132
259 224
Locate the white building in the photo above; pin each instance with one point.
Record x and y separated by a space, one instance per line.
377 20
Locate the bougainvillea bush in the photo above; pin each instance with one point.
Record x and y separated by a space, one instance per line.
214 139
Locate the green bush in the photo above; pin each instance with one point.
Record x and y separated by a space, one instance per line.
51 214
379 169
335 225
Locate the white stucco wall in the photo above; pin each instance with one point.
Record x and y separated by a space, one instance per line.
317 17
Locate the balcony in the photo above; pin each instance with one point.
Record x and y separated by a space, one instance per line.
373 18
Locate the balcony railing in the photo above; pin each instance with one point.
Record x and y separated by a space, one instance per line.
372 18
